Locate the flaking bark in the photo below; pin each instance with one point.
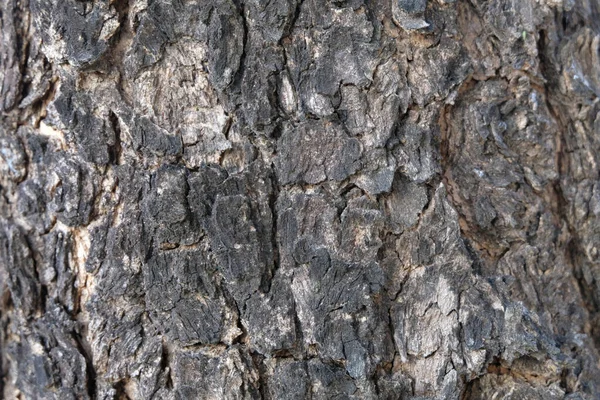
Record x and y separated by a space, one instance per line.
300 199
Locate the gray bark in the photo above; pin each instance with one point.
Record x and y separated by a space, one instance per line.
287 199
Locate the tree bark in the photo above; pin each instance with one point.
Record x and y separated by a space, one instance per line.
300 199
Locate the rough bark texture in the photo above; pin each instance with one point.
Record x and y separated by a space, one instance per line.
286 199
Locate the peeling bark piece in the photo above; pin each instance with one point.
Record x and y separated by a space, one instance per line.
237 245
272 19
222 373
12 49
73 31
59 268
76 114
183 299
73 198
147 46
315 152
167 210
361 223
335 318
372 117
405 203
258 87
331 381
13 160
226 43
377 174
446 60
410 14
18 269
339 51
414 147
49 362
580 55
271 318
289 381
153 140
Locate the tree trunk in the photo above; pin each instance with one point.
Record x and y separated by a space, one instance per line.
287 199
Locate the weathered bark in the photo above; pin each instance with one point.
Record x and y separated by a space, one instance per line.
287 199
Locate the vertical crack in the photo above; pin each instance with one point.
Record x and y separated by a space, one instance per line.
91 375
574 250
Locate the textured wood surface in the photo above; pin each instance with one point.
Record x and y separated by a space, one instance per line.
286 199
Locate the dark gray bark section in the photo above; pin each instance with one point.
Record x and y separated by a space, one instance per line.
351 199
